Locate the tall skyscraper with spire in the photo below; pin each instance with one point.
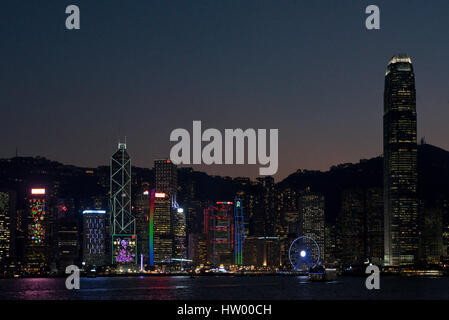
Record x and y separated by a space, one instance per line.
400 163
123 223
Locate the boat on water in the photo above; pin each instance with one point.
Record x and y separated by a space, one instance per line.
92 273
321 273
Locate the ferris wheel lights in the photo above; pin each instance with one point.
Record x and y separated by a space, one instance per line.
304 253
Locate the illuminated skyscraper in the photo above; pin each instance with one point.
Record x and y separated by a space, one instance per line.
179 234
94 240
66 241
239 232
219 228
166 182
400 163
311 217
162 232
37 243
166 177
123 223
142 212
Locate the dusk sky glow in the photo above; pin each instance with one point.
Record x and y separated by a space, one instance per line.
143 68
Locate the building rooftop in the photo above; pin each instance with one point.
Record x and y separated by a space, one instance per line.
401 57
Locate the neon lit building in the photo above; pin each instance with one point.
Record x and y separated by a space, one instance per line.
239 232
400 163
219 228
124 248
94 237
151 229
37 242
162 228
124 242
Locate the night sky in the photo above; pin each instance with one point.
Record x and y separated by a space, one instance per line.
143 68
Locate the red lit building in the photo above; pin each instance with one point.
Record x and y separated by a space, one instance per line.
219 231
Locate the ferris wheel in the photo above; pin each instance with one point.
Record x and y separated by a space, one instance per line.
304 253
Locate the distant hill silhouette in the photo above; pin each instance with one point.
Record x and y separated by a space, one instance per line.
433 184
433 178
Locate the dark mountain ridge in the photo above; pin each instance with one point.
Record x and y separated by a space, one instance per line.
72 181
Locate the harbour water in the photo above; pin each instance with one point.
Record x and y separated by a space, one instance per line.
224 287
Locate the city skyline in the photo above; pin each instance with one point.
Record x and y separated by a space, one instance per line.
224 154
288 225
52 214
253 56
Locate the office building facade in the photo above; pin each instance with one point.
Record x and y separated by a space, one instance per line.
400 163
